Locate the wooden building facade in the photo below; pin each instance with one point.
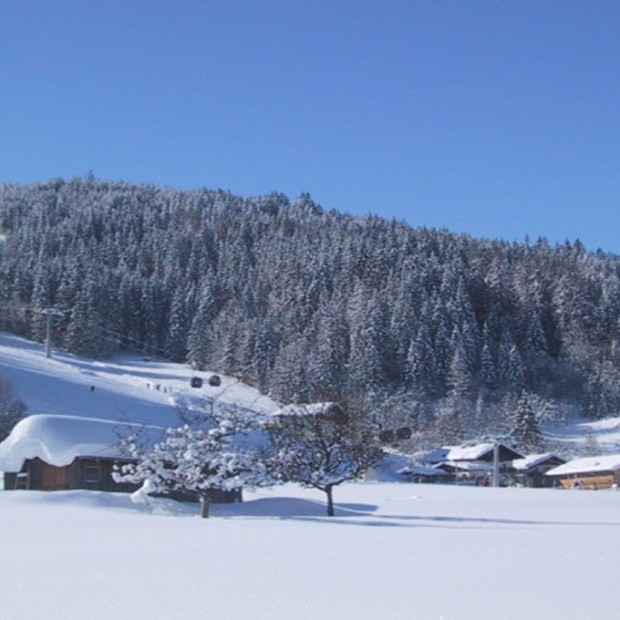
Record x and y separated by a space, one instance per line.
61 453
595 472
531 470
83 473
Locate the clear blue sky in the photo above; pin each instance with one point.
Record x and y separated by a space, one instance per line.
495 118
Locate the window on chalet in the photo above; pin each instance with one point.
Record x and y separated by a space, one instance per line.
92 474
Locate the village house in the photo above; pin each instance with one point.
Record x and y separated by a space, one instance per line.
58 453
530 470
592 472
55 452
472 463
421 473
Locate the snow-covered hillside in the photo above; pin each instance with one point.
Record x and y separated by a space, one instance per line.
150 391
125 388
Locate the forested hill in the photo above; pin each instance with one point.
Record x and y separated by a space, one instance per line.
313 305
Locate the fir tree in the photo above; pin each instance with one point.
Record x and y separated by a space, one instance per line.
525 431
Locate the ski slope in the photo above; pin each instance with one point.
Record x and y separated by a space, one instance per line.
128 388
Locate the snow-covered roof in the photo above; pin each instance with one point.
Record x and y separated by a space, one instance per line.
311 409
327 410
420 470
469 453
58 440
533 460
475 452
466 466
587 465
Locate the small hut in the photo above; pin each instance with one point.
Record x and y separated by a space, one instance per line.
55 452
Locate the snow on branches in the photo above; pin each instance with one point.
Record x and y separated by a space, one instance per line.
197 460
320 447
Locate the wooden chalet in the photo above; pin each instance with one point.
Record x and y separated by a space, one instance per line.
83 473
53 452
530 470
59 453
472 463
593 472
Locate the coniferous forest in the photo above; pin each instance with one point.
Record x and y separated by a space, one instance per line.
412 326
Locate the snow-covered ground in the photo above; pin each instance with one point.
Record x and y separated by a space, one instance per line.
393 551
605 432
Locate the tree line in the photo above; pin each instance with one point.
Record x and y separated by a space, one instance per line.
410 326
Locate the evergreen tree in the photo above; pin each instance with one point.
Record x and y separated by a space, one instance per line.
448 428
525 431
12 409
199 341
363 306
176 341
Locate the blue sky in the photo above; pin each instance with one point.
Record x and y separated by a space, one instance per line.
499 119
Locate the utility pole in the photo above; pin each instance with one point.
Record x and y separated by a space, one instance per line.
496 463
50 313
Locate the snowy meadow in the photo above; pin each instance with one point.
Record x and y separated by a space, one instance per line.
396 551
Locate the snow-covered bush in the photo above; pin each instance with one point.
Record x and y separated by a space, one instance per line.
196 460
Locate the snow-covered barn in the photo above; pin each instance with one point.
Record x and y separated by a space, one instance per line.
530 470
592 472
56 452
328 411
420 473
471 462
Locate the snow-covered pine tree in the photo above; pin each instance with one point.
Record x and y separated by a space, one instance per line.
199 337
591 446
525 431
279 263
12 410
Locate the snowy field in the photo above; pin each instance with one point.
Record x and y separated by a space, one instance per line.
394 551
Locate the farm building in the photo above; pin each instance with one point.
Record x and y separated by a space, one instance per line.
593 472
472 463
481 452
55 452
420 473
530 471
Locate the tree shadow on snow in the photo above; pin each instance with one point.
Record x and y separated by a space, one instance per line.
290 508
366 515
